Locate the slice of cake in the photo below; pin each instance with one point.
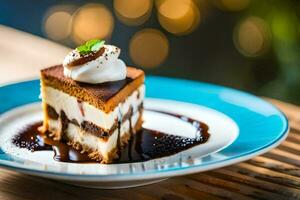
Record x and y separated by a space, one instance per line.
93 101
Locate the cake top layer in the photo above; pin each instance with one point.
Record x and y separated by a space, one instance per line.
104 96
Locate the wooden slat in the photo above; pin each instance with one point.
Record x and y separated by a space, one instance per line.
295 126
235 187
290 147
217 191
267 175
283 156
275 165
291 111
160 193
230 175
30 187
186 188
294 138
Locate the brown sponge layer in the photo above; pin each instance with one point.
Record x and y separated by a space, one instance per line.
104 96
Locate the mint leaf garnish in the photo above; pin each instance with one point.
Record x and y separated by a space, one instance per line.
91 43
90 46
82 49
97 46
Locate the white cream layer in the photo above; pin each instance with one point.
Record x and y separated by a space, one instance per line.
104 147
62 101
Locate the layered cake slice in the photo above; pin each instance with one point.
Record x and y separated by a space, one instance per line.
93 101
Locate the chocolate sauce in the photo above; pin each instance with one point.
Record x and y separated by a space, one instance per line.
32 139
149 144
66 153
52 114
144 145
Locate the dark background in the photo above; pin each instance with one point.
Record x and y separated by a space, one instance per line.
210 53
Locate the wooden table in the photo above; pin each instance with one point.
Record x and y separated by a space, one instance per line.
274 175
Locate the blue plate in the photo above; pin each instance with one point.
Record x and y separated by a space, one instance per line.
261 128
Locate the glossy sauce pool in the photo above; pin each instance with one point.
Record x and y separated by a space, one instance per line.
144 145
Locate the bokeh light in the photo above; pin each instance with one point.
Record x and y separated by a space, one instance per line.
179 17
252 36
92 21
57 22
231 5
133 12
149 48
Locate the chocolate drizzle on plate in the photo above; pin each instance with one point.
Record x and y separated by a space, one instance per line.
32 139
144 145
149 144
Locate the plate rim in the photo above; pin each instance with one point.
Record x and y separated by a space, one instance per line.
160 173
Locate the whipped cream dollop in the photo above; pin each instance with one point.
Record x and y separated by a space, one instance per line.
97 67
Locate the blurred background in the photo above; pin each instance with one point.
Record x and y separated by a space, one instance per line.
253 45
